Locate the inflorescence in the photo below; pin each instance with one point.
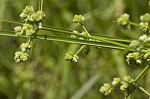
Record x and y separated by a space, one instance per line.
73 57
32 23
140 55
126 85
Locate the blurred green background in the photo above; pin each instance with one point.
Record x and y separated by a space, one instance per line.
46 75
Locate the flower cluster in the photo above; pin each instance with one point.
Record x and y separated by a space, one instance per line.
125 85
20 56
123 20
29 14
32 23
145 21
78 19
71 57
106 89
137 58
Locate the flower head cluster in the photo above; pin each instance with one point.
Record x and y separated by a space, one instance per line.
144 26
106 89
123 20
78 19
71 57
18 30
116 81
124 85
134 58
145 21
28 14
32 23
32 20
20 56
127 84
147 55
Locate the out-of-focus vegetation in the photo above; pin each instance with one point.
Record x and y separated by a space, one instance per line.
46 75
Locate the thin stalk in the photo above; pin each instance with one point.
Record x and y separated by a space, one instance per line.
41 5
133 23
10 21
142 89
142 74
139 77
81 48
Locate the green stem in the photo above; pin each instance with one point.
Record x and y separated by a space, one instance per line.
41 5
10 21
142 74
84 36
81 48
133 23
139 77
142 89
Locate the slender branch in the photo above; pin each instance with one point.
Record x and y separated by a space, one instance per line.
142 74
133 23
81 48
41 5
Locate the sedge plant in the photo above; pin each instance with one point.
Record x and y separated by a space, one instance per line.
32 24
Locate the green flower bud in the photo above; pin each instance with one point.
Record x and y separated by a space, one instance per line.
20 56
18 30
37 16
75 58
128 79
143 38
124 87
145 17
27 26
30 32
116 81
123 19
23 15
144 26
78 19
147 55
134 58
71 57
25 47
28 10
105 89
24 56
